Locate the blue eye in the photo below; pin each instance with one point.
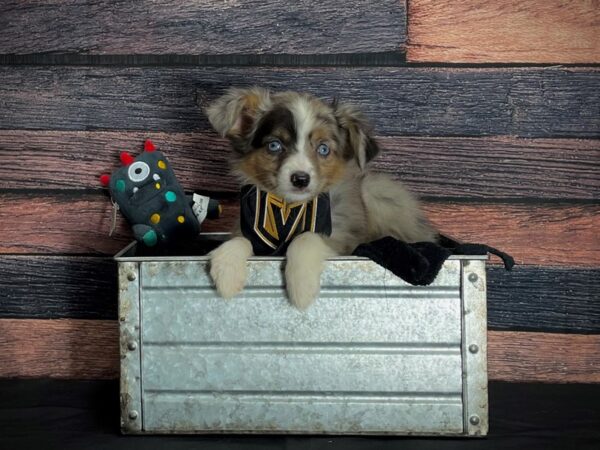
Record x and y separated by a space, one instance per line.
274 146
323 150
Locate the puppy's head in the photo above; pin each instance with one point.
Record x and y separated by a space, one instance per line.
291 144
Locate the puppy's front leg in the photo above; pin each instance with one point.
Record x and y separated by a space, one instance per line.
305 257
228 266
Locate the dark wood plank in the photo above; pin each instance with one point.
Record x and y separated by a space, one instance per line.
44 223
549 299
530 102
388 58
504 31
88 349
531 298
206 27
58 286
480 168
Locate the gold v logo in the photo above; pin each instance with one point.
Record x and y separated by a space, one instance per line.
271 222
273 204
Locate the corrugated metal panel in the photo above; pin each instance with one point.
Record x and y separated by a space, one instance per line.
373 355
359 302
296 413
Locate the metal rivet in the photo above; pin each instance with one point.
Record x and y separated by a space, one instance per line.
473 348
132 345
473 277
474 420
131 276
133 414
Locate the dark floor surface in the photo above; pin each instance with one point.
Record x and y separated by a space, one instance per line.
51 414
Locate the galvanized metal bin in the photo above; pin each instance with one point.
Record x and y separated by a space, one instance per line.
374 355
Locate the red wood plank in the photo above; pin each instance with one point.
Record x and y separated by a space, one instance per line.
549 235
504 31
65 224
543 357
65 348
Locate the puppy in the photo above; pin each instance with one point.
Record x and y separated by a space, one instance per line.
297 146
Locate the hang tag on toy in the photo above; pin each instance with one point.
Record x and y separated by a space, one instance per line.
200 206
113 222
205 208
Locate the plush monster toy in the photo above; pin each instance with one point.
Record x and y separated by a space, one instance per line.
147 193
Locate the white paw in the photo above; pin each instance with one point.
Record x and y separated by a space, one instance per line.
228 266
303 284
305 257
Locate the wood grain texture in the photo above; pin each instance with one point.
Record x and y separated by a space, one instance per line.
201 27
75 160
85 349
45 223
58 286
529 102
530 298
543 357
88 349
481 168
504 31
550 235
549 299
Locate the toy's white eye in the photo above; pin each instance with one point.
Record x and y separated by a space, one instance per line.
138 171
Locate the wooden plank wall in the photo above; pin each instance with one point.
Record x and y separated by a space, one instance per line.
490 111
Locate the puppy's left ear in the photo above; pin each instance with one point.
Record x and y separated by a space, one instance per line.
360 145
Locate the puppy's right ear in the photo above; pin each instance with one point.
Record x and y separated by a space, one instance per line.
361 145
234 114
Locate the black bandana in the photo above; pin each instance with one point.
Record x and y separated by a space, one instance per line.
270 223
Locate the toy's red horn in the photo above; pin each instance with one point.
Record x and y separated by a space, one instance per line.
104 179
126 158
149 146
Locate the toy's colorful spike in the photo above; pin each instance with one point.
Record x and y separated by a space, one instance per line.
126 158
104 179
149 146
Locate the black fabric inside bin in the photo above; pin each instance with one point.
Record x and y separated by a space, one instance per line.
200 246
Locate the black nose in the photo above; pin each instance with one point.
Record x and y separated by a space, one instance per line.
300 179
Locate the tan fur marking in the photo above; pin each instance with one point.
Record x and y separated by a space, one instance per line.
331 170
260 167
319 135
